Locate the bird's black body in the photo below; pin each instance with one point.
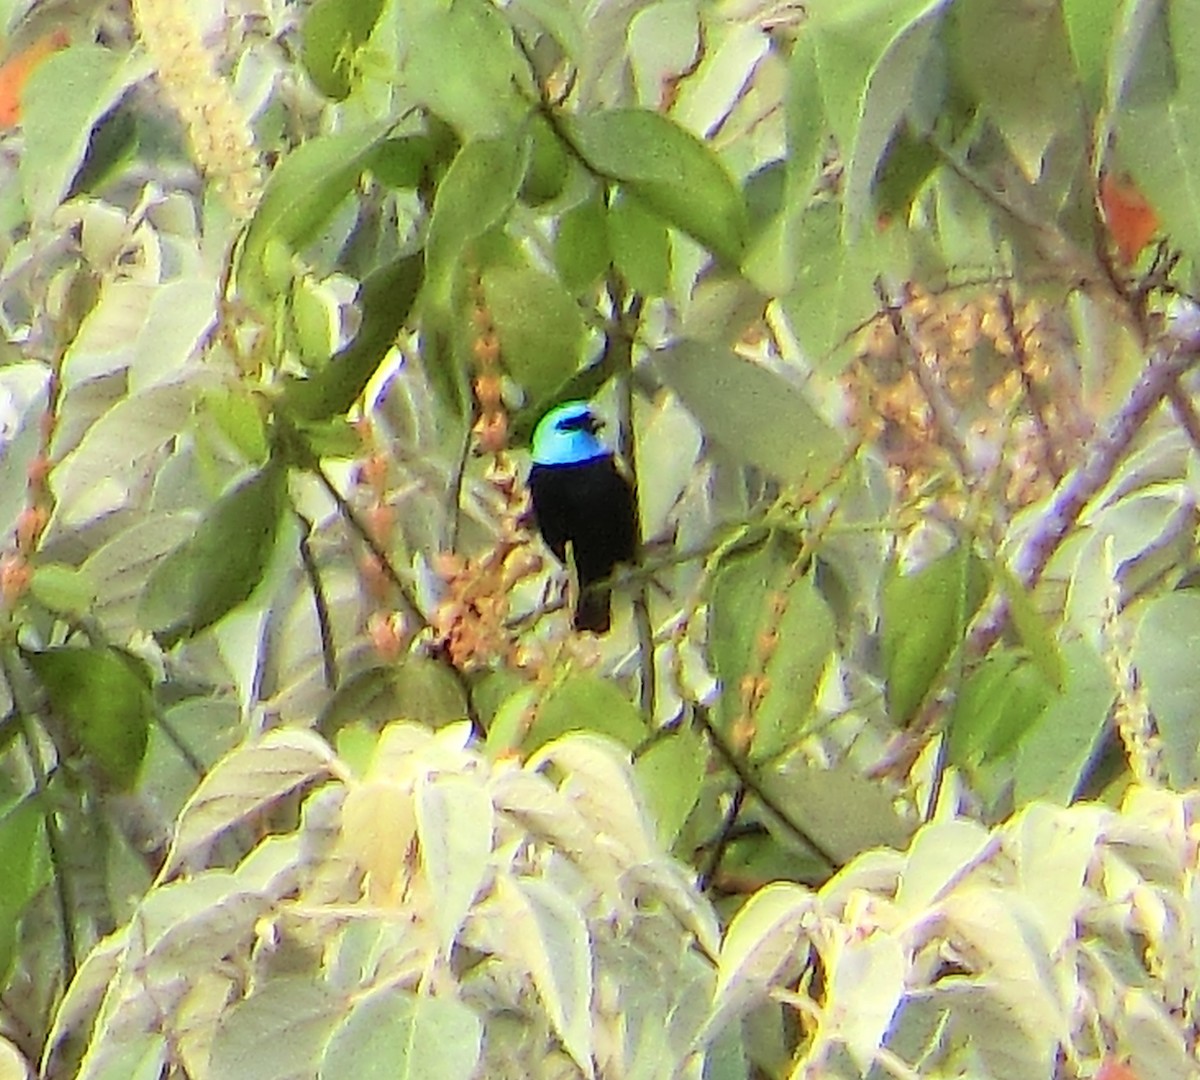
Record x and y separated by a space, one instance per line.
589 505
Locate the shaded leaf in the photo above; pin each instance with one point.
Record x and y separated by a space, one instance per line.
640 244
581 253
385 300
417 688
222 563
671 773
1165 652
104 696
586 702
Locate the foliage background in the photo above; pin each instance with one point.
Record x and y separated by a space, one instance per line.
889 304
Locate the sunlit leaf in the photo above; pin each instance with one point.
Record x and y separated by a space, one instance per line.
333 33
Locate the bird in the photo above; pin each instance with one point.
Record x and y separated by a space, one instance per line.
581 498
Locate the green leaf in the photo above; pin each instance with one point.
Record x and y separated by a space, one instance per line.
103 696
834 288
385 300
671 773
1032 628
1090 25
464 64
1016 59
549 165
25 865
586 702
1164 652
756 415
417 688
301 195
63 589
640 244
755 593
924 616
476 194
581 245
999 703
218 567
399 1036
64 99
675 173
1054 755
293 1014
540 327
333 33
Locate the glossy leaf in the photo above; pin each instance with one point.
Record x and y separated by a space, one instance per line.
103 695
333 33
217 568
924 617
385 300
753 413
670 169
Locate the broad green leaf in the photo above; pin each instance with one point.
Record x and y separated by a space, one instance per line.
540 327
586 702
1032 628
393 1035
671 772
1090 26
997 705
454 828
1164 653
807 126
464 64
418 689
581 245
26 867
103 695
303 192
63 100
333 33
670 169
549 933
243 783
476 194
549 165
561 21
1015 58
385 300
1054 755
924 617
757 416
640 244
217 568
753 594
939 853
293 1015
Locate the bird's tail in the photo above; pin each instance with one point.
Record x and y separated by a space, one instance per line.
594 610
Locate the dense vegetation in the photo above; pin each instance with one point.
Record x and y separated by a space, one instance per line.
887 765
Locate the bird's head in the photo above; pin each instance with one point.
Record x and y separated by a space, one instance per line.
566 435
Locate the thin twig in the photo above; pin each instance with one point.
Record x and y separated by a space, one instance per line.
746 775
720 842
320 604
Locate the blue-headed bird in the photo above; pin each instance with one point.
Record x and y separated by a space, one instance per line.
581 498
